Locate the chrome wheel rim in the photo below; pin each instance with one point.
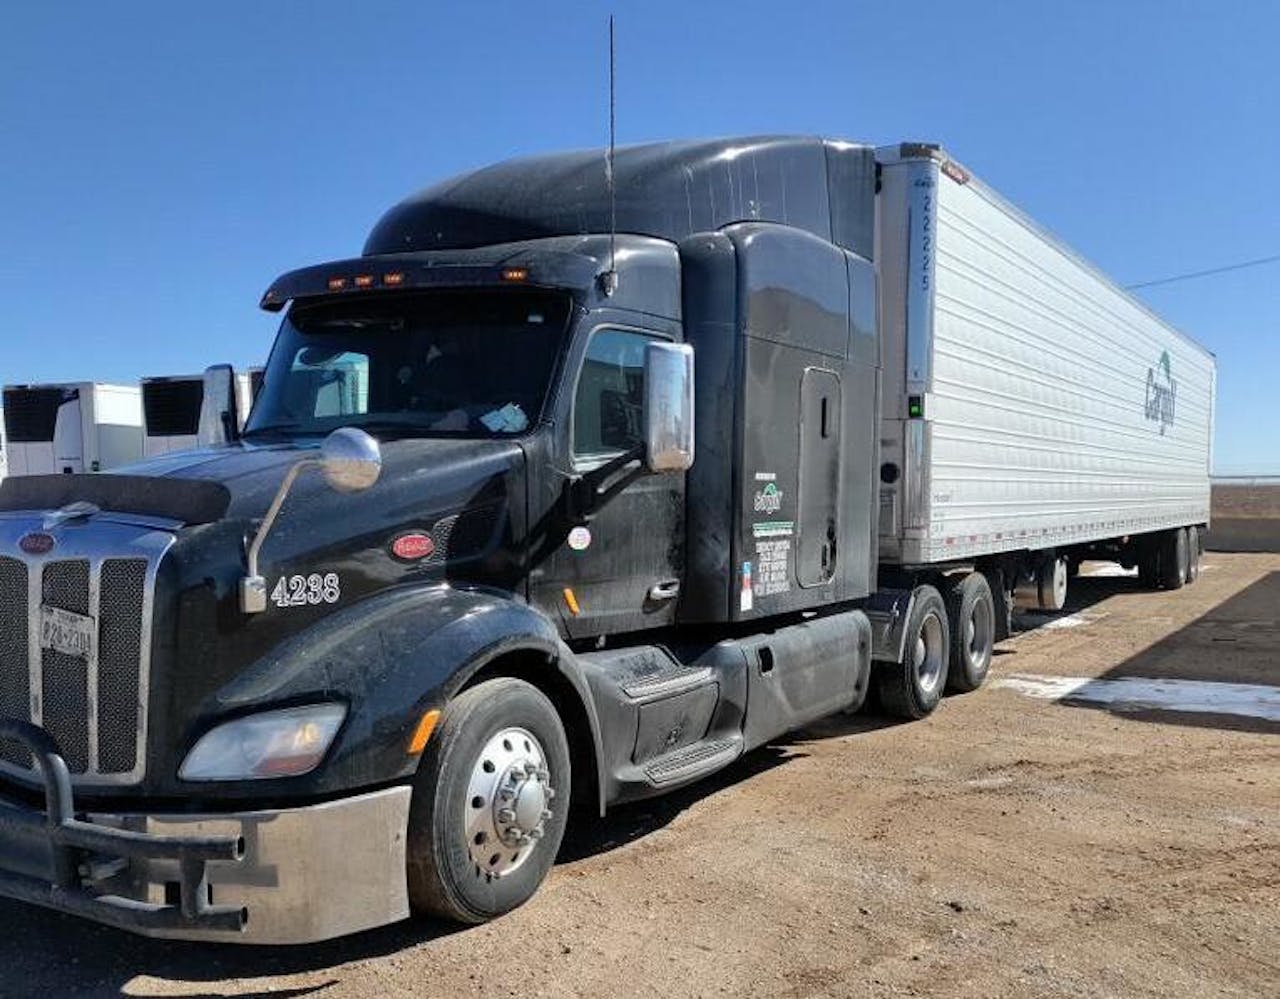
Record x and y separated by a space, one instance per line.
508 803
928 654
978 632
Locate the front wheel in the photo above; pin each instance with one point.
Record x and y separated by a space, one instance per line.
490 801
912 688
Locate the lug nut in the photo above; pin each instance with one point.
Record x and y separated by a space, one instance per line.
535 834
506 815
546 814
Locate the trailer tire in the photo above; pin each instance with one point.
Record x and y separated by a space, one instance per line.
1193 554
971 609
490 803
1172 559
912 688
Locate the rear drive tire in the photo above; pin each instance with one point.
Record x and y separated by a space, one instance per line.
971 609
490 802
913 687
1193 554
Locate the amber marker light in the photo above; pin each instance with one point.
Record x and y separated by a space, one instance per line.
515 274
337 283
393 279
364 280
571 602
423 732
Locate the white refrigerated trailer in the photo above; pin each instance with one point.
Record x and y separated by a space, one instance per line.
1033 412
71 427
180 411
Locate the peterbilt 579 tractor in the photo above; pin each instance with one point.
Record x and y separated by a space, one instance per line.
463 573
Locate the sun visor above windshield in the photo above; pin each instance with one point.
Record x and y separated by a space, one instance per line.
512 265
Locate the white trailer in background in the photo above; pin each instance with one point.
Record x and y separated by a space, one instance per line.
1033 412
182 411
71 427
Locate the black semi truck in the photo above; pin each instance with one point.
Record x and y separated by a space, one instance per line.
461 574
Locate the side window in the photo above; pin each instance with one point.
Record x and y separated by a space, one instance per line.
608 405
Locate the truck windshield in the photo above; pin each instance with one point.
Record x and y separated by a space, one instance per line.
467 364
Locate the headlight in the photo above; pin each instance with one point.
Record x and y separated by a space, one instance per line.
271 744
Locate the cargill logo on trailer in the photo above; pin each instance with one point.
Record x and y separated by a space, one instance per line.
1162 393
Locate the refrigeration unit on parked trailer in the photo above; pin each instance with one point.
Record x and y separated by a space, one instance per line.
71 427
180 412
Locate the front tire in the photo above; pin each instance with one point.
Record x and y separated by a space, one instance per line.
490 802
912 688
972 620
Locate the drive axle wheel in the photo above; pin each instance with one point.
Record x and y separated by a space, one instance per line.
912 688
489 803
973 617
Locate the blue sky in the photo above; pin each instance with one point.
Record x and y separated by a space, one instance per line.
160 163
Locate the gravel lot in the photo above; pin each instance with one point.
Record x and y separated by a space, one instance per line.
1007 846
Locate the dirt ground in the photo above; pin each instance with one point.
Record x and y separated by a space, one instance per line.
1245 517
1007 846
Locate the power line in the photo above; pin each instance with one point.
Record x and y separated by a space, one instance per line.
1213 270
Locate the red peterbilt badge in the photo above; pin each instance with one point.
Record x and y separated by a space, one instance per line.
413 547
37 543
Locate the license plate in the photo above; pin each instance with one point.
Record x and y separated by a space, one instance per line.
67 632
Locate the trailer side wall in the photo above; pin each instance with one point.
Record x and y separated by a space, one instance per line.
1056 409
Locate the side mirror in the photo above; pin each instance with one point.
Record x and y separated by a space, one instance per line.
219 414
668 407
350 460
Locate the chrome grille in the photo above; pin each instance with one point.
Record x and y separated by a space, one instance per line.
65 679
94 707
15 674
121 597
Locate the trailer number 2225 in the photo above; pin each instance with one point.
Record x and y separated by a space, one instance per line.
299 591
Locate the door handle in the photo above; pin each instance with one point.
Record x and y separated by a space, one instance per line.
668 589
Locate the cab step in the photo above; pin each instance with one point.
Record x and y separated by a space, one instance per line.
692 762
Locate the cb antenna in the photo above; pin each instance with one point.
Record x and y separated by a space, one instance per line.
609 279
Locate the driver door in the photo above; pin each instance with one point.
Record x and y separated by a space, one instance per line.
621 571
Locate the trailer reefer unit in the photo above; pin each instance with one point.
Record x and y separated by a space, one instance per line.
180 412
72 427
461 571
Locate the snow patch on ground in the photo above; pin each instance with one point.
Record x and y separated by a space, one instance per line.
1141 694
1108 569
1037 620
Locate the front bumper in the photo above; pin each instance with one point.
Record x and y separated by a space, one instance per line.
278 876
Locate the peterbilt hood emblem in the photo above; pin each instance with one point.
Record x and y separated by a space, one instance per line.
37 543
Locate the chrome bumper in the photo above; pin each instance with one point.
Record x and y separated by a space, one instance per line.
279 876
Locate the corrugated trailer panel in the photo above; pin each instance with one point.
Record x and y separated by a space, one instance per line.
1056 408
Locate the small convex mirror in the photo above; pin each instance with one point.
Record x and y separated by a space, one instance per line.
668 407
350 459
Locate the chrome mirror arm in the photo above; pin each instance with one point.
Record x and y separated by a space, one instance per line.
253 588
